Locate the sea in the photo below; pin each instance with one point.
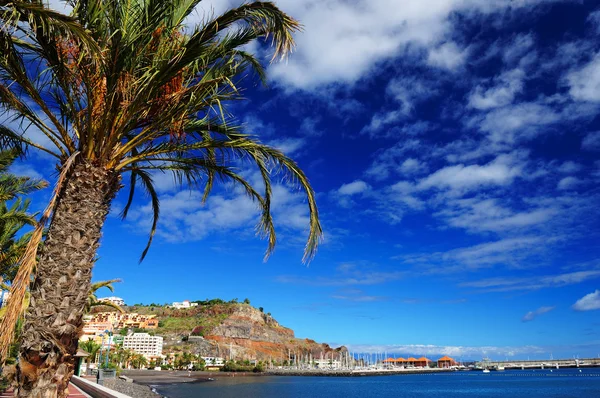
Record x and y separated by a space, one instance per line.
559 383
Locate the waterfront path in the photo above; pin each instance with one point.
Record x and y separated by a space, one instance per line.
74 392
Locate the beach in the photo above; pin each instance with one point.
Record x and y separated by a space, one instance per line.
157 377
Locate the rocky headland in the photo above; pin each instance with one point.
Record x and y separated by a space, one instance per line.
236 330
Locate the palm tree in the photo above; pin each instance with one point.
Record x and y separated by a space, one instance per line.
132 94
13 216
91 347
138 361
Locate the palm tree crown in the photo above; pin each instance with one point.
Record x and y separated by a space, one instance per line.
147 95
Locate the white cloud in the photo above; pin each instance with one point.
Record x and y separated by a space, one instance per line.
381 120
348 274
254 125
447 56
412 166
505 253
585 82
501 171
390 160
591 141
568 183
594 19
410 90
164 182
588 302
519 49
480 215
452 351
343 40
353 188
25 170
185 219
289 146
533 283
570 167
527 119
502 91
493 252
60 5
531 315
407 92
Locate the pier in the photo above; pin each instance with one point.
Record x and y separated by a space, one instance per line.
542 363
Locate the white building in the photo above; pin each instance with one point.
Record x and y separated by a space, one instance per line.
115 300
143 343
3 298
214 361
328 363
183 304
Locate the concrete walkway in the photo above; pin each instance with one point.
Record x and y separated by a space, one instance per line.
74 392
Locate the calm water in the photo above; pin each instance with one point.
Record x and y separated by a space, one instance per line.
561 383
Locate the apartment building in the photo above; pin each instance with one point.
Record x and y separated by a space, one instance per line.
181 305
115 300
143 343
120 321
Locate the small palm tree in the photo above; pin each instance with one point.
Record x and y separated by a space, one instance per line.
121 89
92 348
13 214
138 361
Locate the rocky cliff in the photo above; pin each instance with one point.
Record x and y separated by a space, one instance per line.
235 329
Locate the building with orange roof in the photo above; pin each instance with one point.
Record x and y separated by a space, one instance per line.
446 362
422 362
411 361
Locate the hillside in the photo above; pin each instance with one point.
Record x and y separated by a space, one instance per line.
219 328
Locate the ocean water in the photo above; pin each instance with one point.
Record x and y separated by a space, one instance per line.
560 383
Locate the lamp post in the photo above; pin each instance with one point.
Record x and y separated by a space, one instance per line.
107 348
101 348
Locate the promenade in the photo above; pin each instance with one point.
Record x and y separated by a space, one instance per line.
74 392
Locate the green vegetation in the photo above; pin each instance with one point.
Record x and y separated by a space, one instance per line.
91 348
216 301
177 325
13 215
3 384
243 366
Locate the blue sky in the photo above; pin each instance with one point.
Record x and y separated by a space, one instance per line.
454 147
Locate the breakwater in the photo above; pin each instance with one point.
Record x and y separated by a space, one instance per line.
352 373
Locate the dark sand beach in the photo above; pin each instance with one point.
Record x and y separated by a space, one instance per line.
157 377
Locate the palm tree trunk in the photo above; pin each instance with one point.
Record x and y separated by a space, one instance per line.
62 282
